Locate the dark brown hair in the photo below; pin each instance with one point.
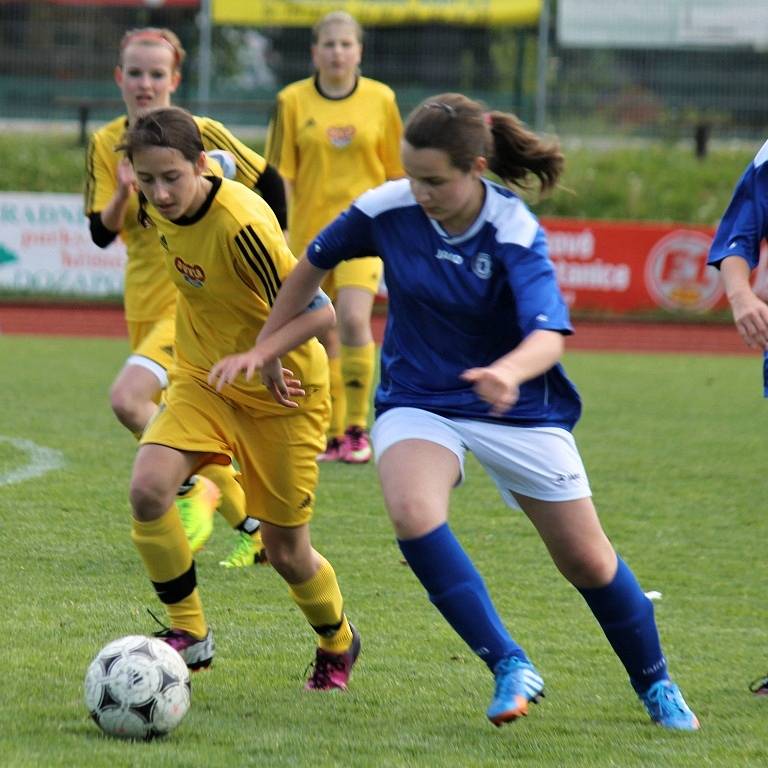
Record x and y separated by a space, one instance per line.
170 127
155 36
462 129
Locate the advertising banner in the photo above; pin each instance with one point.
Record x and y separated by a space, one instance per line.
611 267
304 13
626 267
46 248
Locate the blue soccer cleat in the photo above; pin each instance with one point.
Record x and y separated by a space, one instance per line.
667 707
517 683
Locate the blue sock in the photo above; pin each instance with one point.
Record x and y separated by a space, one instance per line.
458 591
626 616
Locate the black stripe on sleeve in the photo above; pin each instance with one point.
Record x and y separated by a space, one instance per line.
90 178
257 256
275 137
221 138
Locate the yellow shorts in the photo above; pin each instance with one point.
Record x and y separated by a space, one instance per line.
356 273
154 340
276 452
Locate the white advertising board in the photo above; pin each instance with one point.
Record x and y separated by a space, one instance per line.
662 23
45 247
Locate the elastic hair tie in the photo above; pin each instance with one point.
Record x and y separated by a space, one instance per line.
488 118
447 108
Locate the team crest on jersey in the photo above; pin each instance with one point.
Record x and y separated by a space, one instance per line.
164 242
482 265
341 135
194 274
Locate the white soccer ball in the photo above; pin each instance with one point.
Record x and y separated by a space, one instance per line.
137 687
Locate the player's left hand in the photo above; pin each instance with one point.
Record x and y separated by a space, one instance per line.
281 383
230 367
490 385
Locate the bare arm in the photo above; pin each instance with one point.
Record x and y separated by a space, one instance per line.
499 383
113 214
750 313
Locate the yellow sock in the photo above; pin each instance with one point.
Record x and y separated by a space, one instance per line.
168 560
358 366
338 399
321 602
232 504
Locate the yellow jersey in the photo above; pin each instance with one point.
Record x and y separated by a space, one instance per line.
148 293
228 262
332 150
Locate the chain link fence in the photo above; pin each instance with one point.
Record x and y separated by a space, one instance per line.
56 62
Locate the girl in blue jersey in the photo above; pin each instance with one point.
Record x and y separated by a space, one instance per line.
735 252
475 329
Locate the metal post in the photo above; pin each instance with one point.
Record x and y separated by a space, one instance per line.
205 22
542 67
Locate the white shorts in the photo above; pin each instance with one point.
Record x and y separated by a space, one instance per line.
540 462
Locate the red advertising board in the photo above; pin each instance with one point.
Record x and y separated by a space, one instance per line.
626 267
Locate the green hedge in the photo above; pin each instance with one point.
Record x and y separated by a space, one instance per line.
653 183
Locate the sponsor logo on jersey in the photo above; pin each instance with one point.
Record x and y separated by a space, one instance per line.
482 265
677 275
194 274
341 135
449 256
164 242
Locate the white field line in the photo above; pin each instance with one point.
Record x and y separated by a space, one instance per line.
39 461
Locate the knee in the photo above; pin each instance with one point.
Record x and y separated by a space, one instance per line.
589 568
412 517
125 406
150 496
354 328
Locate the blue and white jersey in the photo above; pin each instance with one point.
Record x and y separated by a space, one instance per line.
456 302
745 221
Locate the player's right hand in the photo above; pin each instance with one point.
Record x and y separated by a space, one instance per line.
126 177
751 317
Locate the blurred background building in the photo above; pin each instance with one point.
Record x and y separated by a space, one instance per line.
609 68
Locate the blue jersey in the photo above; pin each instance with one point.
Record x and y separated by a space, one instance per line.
745 221
456 302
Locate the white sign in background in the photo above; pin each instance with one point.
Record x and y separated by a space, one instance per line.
663 23
46 247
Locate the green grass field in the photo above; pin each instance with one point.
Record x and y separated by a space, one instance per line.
675 446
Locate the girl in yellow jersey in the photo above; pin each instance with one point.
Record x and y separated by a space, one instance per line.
148 73
227 257
333 136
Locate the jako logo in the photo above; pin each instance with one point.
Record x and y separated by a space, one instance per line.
192 273
449 256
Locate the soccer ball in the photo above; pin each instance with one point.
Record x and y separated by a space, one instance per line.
137 687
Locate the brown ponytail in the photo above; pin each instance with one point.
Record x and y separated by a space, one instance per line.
462 129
